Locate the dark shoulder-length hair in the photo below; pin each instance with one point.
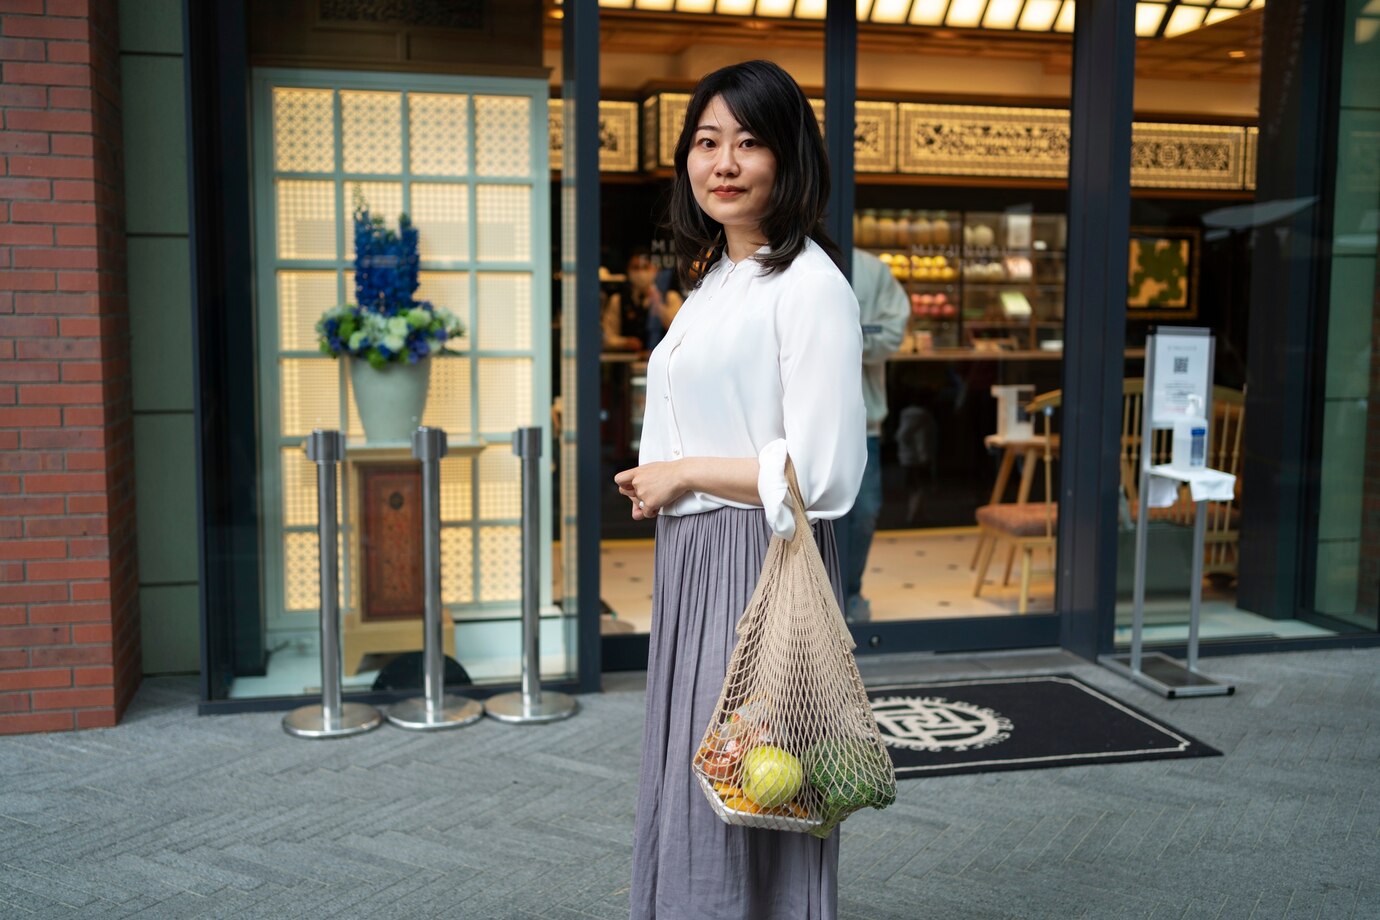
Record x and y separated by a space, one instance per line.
769 104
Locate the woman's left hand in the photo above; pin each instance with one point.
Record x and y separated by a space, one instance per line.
651 486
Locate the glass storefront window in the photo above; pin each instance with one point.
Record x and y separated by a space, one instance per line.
466 159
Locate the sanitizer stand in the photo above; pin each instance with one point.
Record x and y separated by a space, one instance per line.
1188 354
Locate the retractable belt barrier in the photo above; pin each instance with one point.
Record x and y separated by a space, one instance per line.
436 708
531 704
331 718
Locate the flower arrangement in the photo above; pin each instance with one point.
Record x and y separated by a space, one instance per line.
386 323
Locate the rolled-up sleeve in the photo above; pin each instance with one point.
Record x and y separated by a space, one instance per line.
824 418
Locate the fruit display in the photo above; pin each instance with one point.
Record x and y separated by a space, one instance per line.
956 266
932 305
918 268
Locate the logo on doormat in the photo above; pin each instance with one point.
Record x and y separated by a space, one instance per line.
933 723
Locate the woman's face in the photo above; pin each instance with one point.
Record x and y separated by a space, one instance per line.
730 171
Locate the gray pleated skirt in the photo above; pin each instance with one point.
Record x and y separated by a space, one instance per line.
688 864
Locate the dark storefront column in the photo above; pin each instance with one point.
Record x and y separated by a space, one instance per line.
840 93
1104 51
1289 263
581 335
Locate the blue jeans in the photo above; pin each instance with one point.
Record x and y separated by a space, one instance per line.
862 520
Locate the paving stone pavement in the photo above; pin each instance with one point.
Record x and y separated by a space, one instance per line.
174 815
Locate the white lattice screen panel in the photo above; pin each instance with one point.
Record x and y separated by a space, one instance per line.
302 296
457 565
306 229
310 391
468 169
439 134
303 130
500 564
500 484
504 222
507 387
503 140
505 311
302 570
371 132
457 491
450 411
442 216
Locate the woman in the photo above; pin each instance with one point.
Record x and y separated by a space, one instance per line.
762 361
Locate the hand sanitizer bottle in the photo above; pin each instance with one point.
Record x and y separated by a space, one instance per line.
1190 438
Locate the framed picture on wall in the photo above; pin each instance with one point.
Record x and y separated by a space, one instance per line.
1162 273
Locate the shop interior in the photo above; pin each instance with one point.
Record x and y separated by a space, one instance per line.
961 189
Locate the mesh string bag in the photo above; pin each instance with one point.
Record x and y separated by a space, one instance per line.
792 744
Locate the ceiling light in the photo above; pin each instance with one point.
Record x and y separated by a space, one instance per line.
890 11
1184 19
1039 15
928 12
1237 55
1065 21
1154 18
1002 14
965 14
775 8
1148 18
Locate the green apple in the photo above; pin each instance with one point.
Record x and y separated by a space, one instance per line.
771 776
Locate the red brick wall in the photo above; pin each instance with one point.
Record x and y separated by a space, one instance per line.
69 623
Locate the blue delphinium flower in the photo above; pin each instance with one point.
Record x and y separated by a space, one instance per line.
386 323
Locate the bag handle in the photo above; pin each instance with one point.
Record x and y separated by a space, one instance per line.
803 532
797 501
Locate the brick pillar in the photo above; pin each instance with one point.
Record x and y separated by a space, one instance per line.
69 624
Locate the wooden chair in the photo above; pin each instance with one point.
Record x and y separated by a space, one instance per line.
1024 525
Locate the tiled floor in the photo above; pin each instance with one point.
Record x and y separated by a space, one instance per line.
171 815
925 574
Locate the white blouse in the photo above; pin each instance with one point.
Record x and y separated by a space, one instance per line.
763 366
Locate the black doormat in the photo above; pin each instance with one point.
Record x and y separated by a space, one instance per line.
1017 723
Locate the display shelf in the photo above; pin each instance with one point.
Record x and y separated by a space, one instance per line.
975 241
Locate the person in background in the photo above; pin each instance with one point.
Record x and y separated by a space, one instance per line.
638 307
658 321
884 310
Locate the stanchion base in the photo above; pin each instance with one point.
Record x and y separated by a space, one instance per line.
310 721
454 712
552 707
1165 676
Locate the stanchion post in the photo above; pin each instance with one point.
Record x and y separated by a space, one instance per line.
435 709
531 704
331 718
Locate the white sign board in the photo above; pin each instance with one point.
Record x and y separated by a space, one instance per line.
1182 368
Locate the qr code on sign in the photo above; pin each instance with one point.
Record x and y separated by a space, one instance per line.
1181 365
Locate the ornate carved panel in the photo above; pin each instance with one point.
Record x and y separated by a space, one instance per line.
1187 156
874 137
958 140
